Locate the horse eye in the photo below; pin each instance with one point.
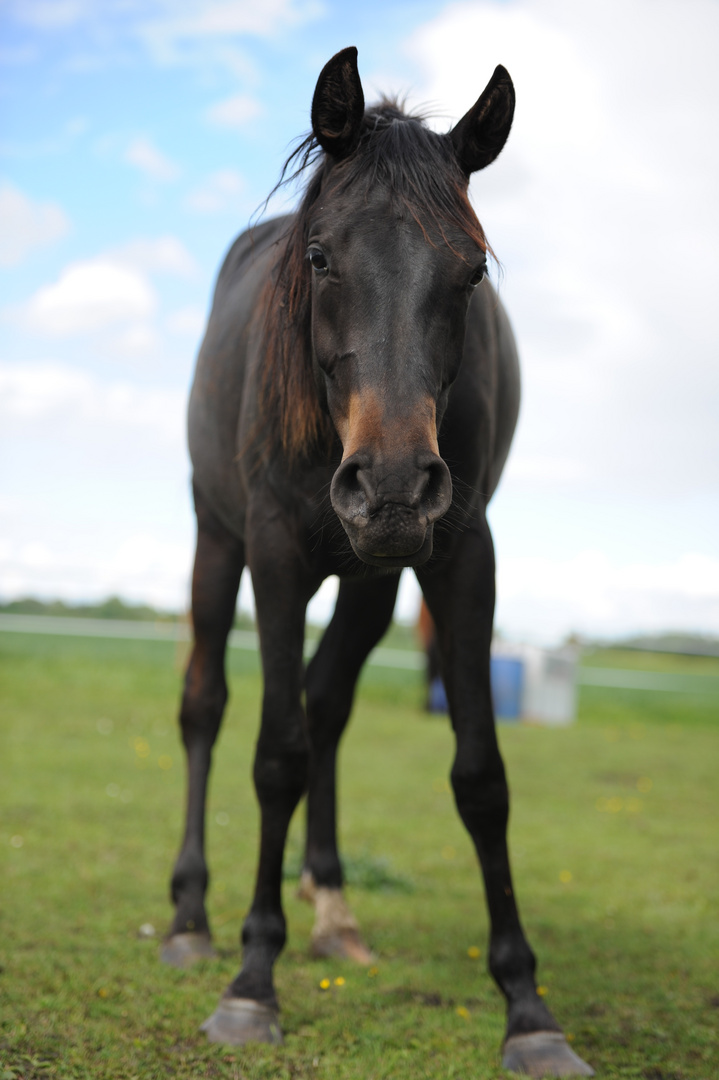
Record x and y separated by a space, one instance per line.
477 276
318 261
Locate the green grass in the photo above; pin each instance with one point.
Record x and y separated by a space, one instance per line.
614 829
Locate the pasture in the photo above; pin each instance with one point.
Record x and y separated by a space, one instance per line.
613 835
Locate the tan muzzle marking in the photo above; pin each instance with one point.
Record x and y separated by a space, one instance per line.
367 425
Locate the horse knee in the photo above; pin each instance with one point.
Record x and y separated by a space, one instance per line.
265 927
203 702
511 960
328 709
281 770
482 800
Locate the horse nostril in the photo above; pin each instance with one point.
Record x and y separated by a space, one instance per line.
436 494
349 492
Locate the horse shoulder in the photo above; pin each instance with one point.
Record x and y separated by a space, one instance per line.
484 403
508 392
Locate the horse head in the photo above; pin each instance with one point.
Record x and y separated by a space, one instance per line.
395 253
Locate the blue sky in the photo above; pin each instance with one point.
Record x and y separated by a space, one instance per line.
138 138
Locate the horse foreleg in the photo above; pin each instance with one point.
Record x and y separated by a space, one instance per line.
248 1011
362 615
219 560
460 596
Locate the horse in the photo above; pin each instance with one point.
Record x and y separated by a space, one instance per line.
352 409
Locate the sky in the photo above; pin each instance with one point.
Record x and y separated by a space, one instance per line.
139 137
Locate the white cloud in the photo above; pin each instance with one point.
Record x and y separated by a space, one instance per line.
111 291
219 191
145 156
234 112
89 296
165 254
603 209
96 498
26 225
70 402
539 597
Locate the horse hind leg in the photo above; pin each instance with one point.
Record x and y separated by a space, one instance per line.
219 560
362 615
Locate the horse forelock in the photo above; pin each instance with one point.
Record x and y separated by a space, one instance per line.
419 169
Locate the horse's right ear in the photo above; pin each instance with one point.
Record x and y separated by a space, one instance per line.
338 105
482 132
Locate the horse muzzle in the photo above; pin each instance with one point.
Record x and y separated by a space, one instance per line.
388 510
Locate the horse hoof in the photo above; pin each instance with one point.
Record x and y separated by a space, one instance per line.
184 950
543 1053
343 945
240 1020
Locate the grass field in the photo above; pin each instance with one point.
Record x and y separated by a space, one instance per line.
614 838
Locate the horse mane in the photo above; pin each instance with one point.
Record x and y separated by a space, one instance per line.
419 168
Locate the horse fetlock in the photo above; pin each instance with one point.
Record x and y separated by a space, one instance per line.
512 964
264 931
254 981
190 879
190 916
323 863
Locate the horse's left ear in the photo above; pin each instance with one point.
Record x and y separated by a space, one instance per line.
338 105
482 132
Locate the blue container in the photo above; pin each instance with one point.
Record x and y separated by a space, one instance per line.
507 675
437 697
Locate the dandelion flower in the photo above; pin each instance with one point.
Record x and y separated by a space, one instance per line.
325 984
339 981
473 952
464 1013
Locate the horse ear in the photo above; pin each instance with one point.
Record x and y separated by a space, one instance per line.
338 105
482 132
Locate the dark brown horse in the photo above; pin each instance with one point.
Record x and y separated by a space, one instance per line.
353 406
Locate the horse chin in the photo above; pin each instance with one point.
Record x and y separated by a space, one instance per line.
396 562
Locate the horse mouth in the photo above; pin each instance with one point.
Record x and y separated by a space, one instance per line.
395 560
